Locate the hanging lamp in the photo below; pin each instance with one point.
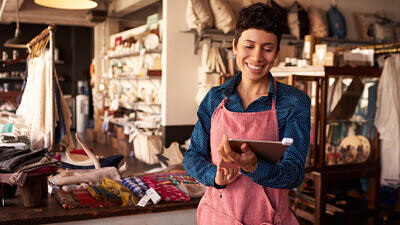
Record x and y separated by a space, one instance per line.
16 41
67 4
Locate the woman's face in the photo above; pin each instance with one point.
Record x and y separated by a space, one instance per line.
255 53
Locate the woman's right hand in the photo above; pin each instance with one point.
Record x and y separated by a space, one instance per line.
226 176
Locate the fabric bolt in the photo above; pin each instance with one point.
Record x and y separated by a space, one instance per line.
168 192
293 113
244 201
387 121
136 185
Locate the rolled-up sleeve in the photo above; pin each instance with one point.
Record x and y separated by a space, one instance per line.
197 158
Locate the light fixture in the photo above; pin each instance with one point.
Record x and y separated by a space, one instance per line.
67 4
16 41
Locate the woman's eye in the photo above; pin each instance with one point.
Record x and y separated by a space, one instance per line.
267 49
249 46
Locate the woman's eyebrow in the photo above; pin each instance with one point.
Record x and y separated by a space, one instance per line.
252 42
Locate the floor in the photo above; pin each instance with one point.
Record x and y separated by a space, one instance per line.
388 215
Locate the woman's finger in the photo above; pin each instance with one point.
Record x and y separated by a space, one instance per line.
229 153
223 154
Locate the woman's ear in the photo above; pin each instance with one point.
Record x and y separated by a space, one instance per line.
234 46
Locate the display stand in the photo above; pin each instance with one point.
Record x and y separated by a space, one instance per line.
35 183
319 170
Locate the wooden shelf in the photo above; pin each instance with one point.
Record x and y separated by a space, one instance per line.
132 54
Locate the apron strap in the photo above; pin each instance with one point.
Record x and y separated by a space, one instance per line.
273 101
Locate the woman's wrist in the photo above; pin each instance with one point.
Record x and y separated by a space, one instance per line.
251 168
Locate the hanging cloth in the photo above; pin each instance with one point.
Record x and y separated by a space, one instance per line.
387 121
36 106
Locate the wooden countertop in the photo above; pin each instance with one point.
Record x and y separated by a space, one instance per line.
52 212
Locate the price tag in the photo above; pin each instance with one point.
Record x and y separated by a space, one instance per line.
144 200
154 196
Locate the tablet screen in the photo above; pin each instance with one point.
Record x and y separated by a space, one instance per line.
271 151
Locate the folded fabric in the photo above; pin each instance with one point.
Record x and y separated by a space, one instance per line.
21 160
188 184
192 190
137 186
182 178
106 162
79 198
10 152
101 194
92 176
161 178
115 187
168 192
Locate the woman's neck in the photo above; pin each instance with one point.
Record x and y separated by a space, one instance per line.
252 88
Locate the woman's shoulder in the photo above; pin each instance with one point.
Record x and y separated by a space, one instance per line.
290 92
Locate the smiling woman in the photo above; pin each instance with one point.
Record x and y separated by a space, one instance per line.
243 188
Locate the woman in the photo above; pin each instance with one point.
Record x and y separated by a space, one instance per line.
251 105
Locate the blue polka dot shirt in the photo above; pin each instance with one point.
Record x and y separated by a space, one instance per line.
293 112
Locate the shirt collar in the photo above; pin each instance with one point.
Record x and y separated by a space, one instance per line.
230 85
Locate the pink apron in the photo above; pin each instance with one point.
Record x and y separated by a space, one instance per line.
244 201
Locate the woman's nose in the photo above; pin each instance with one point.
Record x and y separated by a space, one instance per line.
257 54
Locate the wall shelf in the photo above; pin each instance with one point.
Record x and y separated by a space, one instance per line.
133 54
217 35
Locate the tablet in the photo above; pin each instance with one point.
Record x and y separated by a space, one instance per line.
271 151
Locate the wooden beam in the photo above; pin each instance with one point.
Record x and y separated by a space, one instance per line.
120 8
30 17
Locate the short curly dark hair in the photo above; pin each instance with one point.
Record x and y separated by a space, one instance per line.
259 16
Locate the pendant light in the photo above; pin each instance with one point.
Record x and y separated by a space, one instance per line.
16 41
67 4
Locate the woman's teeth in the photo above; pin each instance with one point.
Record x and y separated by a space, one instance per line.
254 67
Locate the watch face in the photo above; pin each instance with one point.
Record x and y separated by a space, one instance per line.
151 41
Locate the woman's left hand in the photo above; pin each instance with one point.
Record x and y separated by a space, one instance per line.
247 160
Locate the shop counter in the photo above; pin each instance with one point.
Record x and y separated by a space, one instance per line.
51 212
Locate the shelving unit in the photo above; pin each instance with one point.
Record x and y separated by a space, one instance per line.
319 170
131 54
218 35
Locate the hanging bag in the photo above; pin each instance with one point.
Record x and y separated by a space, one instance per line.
336 23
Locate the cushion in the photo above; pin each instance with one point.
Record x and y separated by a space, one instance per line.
318 27
298 21
225 19
199 15
336 23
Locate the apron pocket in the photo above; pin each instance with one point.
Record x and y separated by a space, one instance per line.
207 216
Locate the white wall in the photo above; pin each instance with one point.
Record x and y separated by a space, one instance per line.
179 67
180 64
